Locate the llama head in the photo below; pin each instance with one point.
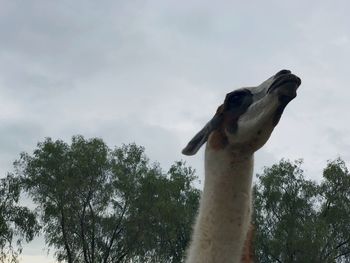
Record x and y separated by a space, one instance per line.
248 116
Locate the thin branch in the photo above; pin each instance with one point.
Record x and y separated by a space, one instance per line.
342 243
93 234
82 227
114 235
342 254
65 238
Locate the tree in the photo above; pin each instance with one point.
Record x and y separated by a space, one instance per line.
168 212
334 216
298 220
103 205
17 223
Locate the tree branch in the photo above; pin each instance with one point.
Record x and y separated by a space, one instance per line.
93 234
114 235
65 238
342 254
82 227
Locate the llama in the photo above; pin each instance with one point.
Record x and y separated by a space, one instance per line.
241 126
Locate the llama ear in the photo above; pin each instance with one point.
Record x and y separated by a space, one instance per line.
202 136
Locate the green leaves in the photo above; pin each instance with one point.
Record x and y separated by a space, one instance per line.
335 209
16 222
298 220
166 206
105 205
97 204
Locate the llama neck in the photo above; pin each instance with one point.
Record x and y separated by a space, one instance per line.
224 213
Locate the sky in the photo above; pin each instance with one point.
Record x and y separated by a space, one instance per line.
153 72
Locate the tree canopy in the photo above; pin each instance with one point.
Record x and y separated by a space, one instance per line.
98 204
298 220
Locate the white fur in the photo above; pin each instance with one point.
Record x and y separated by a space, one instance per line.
226 199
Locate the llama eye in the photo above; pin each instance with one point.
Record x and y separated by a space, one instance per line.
235 100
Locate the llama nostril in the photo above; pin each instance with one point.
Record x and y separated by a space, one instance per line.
282 72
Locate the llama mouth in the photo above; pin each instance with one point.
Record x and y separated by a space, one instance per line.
286 85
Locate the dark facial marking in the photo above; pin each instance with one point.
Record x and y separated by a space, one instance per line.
278 114
236 103
237 99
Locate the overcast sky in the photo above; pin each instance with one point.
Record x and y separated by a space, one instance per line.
154 72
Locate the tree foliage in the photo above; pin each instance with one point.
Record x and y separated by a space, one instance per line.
298 220
98 204
17 223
